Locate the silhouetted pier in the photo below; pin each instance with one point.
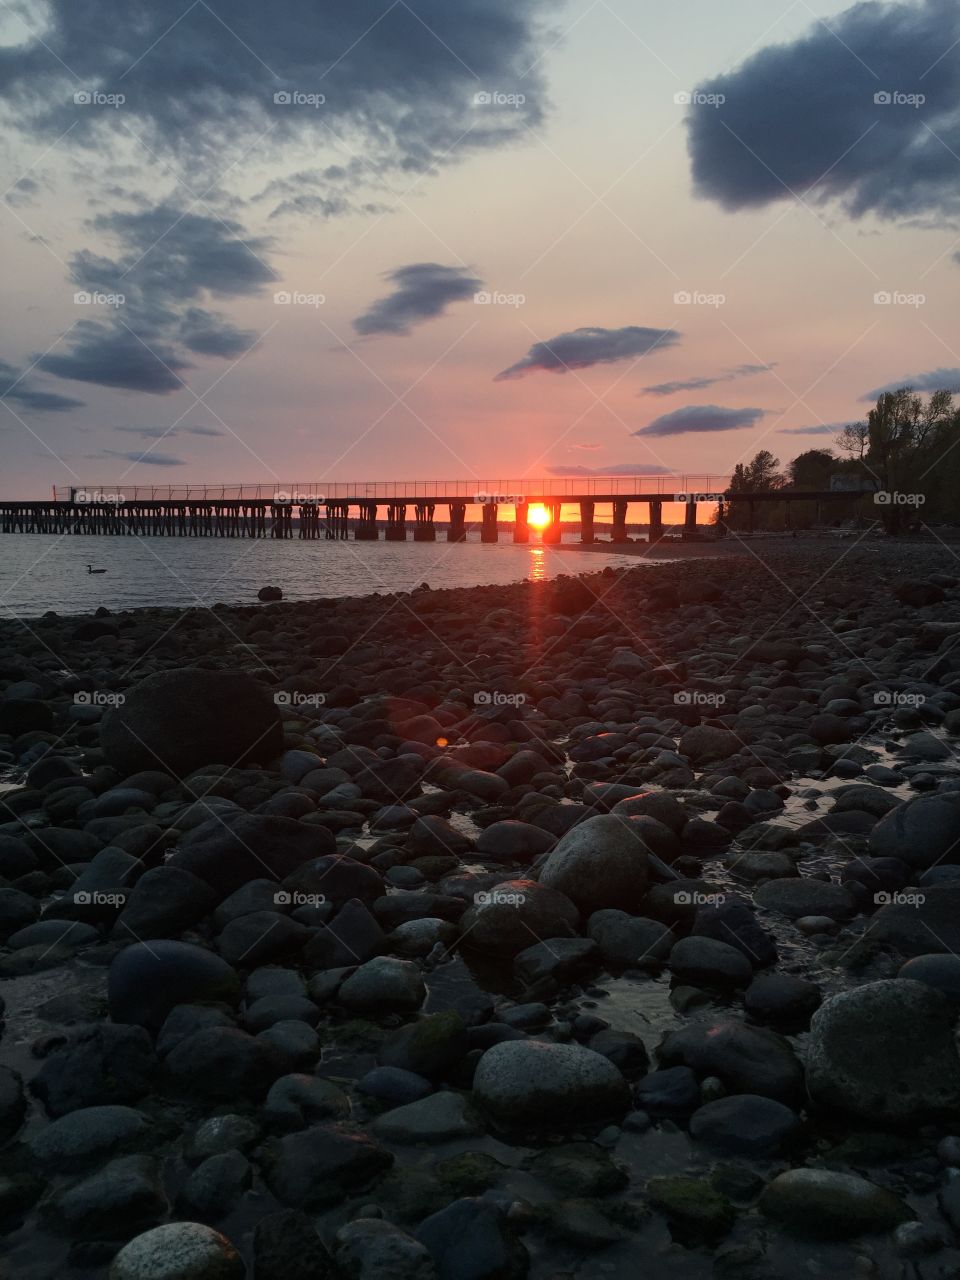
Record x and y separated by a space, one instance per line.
338 510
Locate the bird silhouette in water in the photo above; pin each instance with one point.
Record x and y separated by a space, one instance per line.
91 569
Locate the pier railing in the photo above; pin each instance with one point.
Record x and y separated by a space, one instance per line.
569 487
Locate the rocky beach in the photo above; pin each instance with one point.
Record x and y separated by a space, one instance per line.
603 926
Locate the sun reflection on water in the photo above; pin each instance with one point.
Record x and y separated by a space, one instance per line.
538 565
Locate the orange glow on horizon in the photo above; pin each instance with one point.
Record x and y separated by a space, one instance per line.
538 517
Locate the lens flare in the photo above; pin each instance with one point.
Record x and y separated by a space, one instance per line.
538 517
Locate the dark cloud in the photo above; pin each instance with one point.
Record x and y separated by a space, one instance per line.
935 380
698 384
398 80
800 118
170 259
27 396
112 356
168 433
700 418
23 192
147 459
421 291
589 346
823 430
619 469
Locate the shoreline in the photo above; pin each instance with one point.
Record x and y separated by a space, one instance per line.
359 868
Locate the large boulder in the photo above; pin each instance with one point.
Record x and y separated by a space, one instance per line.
705 743
178 1251
886 1052
600 863
233 848
528 1084
179 720
922 832
916 923
830 1205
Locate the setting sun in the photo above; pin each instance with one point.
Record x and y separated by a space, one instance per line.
538 517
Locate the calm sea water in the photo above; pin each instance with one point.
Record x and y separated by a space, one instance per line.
40 572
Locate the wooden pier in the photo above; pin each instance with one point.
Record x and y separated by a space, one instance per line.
339 511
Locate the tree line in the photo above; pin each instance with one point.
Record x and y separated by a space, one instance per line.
905 450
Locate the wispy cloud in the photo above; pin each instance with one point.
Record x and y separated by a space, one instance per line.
582 348
701 418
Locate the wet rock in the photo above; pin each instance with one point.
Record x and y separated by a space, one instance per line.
921 832
17 910
746 1059
442 1117
782 1000
732 921
513 915
222 1063
532 1083
13 1104
626 1051
559 960
182 719
235 847
942 972
222 1133
100 1064
294 1101
260 937
672 1092
704 744
286 1247
468 1240
87 1135
163 903
830 1205
116 1202
384 984
886 1052
746 1125
798 897
429 1047
371 1249
922 922
353 936
512 841
707 962
394 1085
147 980
179 1251
600 863
322 1166
215 1186
579 1168
630 942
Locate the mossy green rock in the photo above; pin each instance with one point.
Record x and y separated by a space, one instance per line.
580 1168
695 1211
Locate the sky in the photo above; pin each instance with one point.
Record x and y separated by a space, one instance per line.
404 239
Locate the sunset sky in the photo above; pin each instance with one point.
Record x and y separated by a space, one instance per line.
701 229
